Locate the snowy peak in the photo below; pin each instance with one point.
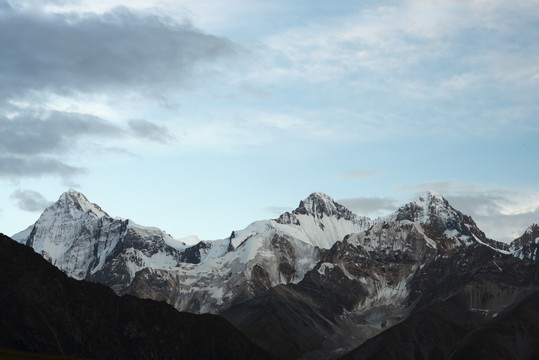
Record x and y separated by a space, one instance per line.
75 199
530 236
440 220
319 205
82 240
320 221
532 229
527 246
423 209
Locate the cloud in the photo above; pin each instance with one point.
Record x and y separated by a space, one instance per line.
117 51
147 130
358 174
278 210
502 214
30 133
506 228
35 144
69 57
389 38
250 128
14 167
4 5
29 200
369 206
443 186
422 66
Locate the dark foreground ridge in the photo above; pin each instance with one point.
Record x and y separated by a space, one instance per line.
44 311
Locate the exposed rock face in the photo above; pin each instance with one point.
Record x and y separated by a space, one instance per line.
265 254
425 252
264 257
52 314
353 294
319 205
527 246
477 303
82 240
440 220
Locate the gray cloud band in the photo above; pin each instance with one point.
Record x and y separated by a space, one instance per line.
67 54
29 200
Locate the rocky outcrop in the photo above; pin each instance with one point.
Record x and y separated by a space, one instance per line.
475 304
526 247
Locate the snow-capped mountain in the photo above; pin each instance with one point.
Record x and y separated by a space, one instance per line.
423 253
320 212
265 254
332 279
82 240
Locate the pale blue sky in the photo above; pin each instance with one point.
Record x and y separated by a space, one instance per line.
200 117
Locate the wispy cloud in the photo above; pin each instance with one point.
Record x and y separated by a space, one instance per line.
255 128
32 133
115 51
357 174
444 57
29 200
277 210
147 130
370 206
41 143
14 167
386 39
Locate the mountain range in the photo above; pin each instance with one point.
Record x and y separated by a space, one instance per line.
316 282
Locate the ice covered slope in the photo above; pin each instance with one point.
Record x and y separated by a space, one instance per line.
263 255
320 221
82 240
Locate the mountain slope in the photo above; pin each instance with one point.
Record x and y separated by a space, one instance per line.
475 304
373 279
44 311
443 331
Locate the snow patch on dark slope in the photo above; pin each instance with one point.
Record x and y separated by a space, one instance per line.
320 221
